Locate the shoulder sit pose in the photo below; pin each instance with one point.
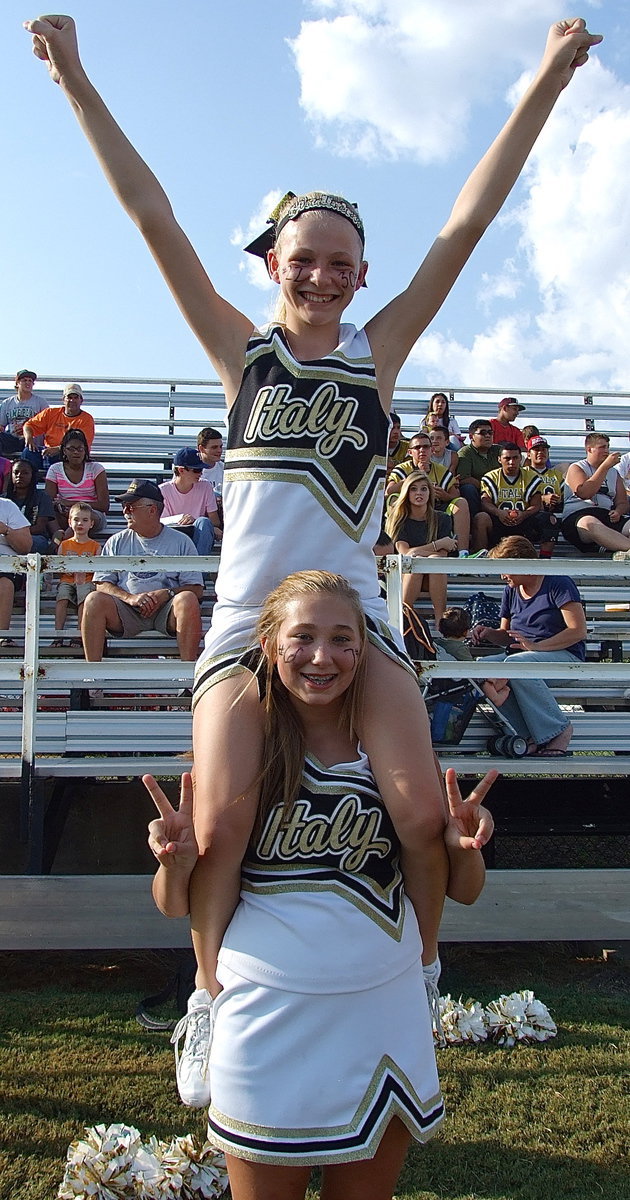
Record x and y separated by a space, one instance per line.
308 400
318 972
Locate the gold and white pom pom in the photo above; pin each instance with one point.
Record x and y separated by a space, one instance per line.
462 1021
519 1017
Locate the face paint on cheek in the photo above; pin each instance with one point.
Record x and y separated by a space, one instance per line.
348 278
355 654
293 272
289 655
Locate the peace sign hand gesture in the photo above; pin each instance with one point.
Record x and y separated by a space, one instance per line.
470 825
172 834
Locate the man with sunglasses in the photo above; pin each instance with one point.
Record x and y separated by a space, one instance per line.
190 503
128 602
474 461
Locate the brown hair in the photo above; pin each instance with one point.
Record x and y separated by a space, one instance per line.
513 547
401 509
208 434
284 744
592 438
454 623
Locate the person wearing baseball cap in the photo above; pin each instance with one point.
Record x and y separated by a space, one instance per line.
54 422
189 501
547 522
128 602
503 429
16 409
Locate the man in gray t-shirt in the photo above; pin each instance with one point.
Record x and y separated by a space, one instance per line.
17 409
126 602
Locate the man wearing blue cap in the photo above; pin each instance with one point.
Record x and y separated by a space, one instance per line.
190 503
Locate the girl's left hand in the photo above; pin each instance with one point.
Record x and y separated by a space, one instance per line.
568 44
470 825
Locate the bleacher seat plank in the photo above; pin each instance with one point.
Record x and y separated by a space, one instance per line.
544 905
103 912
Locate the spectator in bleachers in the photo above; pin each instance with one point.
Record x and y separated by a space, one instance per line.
438 414
503 428
73 588
128 602
595 513
16 409
474 461
453 628
210 451
552 478
416 527
445 488
530 431
76 477
189 501
53 423
397 445
34 502
510 500
15 538
441 452
542 620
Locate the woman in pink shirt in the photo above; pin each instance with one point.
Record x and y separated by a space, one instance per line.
190 503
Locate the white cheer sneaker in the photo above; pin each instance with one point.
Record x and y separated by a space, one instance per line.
192 1064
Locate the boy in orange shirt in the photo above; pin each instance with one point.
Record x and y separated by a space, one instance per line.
74 588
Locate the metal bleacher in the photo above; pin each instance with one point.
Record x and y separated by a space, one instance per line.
65 719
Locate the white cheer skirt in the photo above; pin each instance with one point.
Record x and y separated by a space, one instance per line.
300 1079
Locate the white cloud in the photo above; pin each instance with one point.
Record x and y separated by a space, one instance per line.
390 79
504 285
574 223
387 79
254 267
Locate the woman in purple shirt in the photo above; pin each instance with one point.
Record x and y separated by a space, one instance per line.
542 619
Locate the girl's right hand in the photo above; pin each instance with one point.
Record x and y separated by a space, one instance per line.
447 543
55 43
172 836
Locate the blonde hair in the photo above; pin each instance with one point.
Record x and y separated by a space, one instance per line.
284 744
82 506
401 509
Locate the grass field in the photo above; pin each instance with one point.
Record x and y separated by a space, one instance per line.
543 1123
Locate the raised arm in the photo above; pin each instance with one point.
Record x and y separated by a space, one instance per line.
221 329
396 328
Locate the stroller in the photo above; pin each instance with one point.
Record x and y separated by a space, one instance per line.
452 702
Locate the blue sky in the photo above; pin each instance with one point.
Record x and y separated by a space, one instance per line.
390 102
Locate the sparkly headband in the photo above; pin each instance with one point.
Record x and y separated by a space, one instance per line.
317 202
